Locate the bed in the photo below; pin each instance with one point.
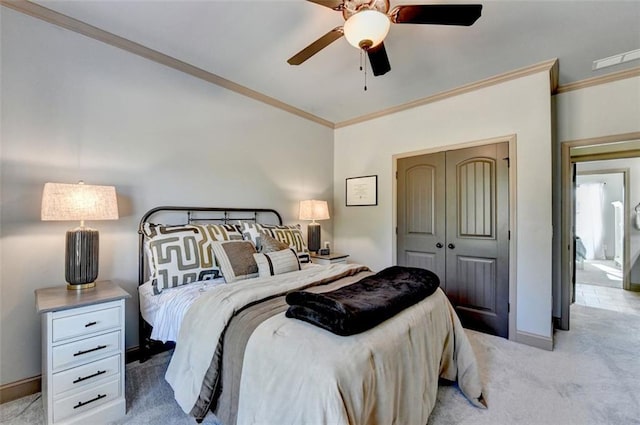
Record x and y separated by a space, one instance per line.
239 356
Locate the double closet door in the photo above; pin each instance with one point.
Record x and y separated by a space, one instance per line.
453 219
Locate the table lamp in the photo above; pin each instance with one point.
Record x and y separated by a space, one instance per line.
80 202
313 210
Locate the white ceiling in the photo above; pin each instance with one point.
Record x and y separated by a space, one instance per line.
249 42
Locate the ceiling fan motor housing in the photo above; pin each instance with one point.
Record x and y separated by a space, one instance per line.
351 7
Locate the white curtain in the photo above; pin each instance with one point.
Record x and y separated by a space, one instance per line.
589 217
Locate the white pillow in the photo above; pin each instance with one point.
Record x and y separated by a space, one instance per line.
277 262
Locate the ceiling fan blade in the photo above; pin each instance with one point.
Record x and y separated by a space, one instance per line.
438 14
379 60
331 4
316 46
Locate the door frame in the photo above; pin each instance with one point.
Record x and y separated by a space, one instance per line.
511 139
568 216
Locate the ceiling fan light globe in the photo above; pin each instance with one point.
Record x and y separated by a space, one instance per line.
366 28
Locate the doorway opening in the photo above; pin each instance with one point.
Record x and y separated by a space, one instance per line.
600 235
597 231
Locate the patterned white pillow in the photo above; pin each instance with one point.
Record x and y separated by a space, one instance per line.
277 262
288 234
236 259
178 255
181 254
223 232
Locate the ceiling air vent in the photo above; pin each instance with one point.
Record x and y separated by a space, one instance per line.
616 59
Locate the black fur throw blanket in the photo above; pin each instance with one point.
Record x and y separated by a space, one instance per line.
362 305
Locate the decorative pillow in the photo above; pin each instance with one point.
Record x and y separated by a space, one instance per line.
270 244
252 232
278 262
236 259
179 255
223 232
288 234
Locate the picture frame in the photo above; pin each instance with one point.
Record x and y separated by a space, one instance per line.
361 191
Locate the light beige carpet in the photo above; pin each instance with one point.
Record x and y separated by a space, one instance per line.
591 377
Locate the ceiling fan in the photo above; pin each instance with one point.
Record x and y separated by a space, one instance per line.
367 23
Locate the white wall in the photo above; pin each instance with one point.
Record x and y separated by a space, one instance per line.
599 111
521 107
74 108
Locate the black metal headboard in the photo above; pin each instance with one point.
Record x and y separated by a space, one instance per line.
187 215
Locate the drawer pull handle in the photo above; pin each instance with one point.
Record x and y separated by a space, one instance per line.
84 403
99 347
90 324
84 378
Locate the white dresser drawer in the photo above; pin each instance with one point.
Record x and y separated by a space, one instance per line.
83 354
85 400
84 375
84 321
86 350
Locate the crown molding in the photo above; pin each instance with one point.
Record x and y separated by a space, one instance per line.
603 79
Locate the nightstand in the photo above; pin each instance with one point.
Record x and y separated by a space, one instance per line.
332 258
82 353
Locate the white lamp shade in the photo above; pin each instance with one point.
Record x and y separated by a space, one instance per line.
78 202
368 27
314 210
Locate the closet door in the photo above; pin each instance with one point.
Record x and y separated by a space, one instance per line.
477 270
421 213
453 219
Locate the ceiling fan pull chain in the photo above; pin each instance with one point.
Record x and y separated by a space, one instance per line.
365 75
362 52
360 59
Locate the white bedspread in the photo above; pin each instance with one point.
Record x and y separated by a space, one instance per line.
165 311
296 373
208 316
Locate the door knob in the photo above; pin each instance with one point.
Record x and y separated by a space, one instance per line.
439 245
451 246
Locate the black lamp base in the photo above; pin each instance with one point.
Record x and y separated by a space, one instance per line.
313 237
81 258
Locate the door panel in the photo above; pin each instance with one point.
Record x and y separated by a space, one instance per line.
421 213
475 192
477 283
423 260
477 236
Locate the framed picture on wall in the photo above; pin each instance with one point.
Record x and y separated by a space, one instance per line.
362 191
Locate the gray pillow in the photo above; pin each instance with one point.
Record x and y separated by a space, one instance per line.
270 244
